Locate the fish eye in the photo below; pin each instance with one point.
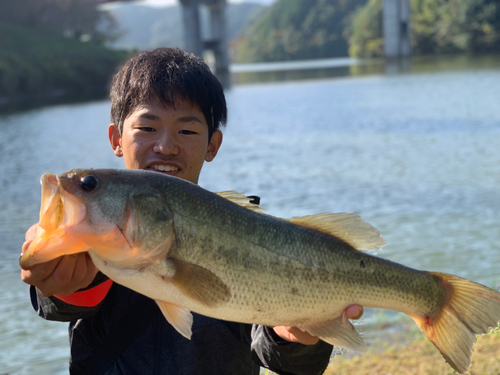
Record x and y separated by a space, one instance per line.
88 182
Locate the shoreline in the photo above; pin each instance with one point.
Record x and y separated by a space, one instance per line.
19 103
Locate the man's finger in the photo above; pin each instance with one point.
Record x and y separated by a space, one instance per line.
85 271
354 312
39 272
294 334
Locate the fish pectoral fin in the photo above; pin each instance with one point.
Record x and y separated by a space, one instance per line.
346 227
199 283
339 332
180 318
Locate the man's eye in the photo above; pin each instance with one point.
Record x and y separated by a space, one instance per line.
146 129
187 132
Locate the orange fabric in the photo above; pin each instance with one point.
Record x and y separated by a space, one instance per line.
87 298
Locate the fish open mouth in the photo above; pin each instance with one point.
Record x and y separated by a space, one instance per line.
58 211
52 207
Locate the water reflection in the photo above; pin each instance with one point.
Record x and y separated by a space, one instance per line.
334 68
33 102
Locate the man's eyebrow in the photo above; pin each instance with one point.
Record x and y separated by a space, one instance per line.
189 119
149 116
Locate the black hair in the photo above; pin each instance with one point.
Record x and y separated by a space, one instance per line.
167 74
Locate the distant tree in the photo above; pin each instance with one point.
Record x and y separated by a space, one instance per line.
424 20
438 26
463 26
298 29
72 18
365 34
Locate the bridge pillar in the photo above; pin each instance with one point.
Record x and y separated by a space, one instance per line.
192 29
396 28
217 41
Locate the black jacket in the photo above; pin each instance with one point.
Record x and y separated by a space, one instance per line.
217 347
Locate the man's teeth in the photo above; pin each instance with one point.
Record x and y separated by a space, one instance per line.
165 168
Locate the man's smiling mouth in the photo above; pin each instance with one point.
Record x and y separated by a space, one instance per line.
164 168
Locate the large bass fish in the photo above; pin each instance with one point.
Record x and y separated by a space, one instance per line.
215 254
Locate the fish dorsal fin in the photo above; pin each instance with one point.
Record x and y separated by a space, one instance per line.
240 199
347 227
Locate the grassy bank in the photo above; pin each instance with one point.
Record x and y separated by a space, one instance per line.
412 354
40 63
417 358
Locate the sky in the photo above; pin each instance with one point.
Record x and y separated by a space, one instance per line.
160 3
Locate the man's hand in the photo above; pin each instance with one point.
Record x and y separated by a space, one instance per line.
294 334
64 275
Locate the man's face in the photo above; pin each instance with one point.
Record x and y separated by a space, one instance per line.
166 140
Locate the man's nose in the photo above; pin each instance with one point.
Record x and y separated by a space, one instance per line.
166 144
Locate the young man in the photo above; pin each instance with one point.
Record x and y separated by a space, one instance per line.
167 109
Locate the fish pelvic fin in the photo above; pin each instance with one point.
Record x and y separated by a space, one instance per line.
346 227
470 309
339 332
180 318
198 283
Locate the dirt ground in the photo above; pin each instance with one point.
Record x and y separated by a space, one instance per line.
411 353
419 357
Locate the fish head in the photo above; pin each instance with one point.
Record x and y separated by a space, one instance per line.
116 214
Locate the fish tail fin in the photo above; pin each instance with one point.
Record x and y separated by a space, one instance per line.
470 309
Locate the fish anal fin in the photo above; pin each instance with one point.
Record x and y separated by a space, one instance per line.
241 200
347 227
199 283
339 332
468 309
180 318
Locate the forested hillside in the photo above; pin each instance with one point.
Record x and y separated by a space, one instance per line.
309 29
438 26
79 19
54 48
40 62
298 29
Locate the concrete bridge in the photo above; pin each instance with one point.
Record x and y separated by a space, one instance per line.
217 41
396 30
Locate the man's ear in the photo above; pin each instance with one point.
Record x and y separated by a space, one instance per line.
115 139
213 145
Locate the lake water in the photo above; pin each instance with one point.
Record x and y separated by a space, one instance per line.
416 154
